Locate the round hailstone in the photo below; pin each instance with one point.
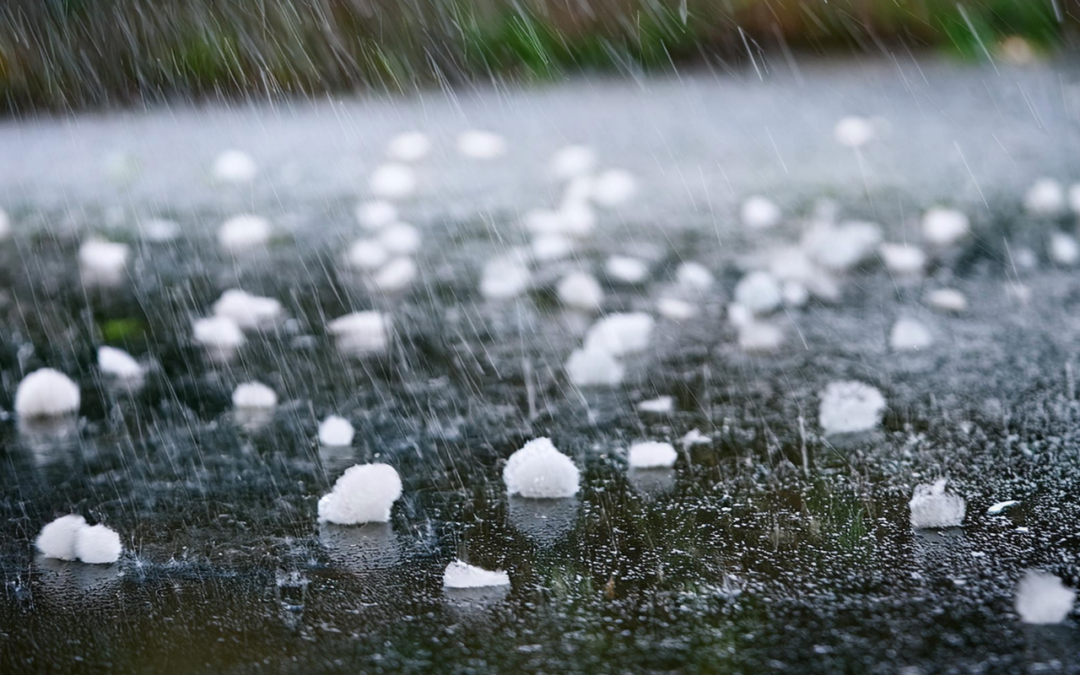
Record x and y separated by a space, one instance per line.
46 393
932 507
580 290
661 405
692 276
410 146
365 493
613 188
853 132
5 225
367 254
376 213
1074 197
840 247
234 166
97 545
159 230
254 396
250 312
795 294
944 227
676 309
392 181
1042 598
577 219
760 213
57 539
620 334
483 145
243 233
464 575
652 455
627 270
593 367
1064 249
849 407
759 293
336 431
400 239
396 275
539 471
118 363
903 259
573 161
760 336
361 332
219 334
1045 197
103 261
947 300
551 247
504 278
908 334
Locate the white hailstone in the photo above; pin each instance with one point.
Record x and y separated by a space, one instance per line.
760 336
1074 197
118 363
947 300
400 239
5 225
464 575
376 213
760 213
542 221
102 261
903 259
254 396
234 166
97 545
1064 249
909 334
539 471
159 230
595 367
794 294
849 406
410 146
693 276
626 269
853 132
580 290
484 145
392 181
692 438
396 275
249 312
1025 258
932 507
367 254
1001 506
739 315
572 161
336 431
1045 197
652 455
1042 598
613 188
577 219
841 247
361 332
365 493
759 292
550 247
660 405
244 232
46 393
220 334
620 334
944 227
676 309
57 539
504 278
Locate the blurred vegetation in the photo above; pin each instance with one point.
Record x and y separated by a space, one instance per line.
75 53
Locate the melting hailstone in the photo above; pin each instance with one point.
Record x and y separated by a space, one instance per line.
376 214
551 247
410 146
118 363
760 213
97 545
361 332
932 507
613 188
254 396
620 334
660 405
580 290
594 367
676 309
760 336
504 278
539 471
944 227
234 166
396 275
365 493
336 431
483 145
1046 197
1042 598
903 260
853 132
57 539
400 239
849 407
626 269
46 393
392 181
1064 249
759 292
947 300
463 575
652 455
367 254
103 261
572 161
219 334
249 312
841 247
244 233
694 277
908 334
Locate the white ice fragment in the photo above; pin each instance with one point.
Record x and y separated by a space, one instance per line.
57 539
249 312
504 278
219 334
759 292
551 247
254 396
361 332
620 334
947 300
795 294
580 290
594 367
841 247
1000 507
392 181
676 309
1046 197
46 393
576 219
410 146
853 132
944 227
367 254
400 239
1064 249
692 438
760 336
376 213
1042 598
613 187
848 406
739 315
572 161
234 166
118 363
693 276
483 145
652 455
396 275
760 213
243 233
97 545
464 575
539 471
932 507
661 405
903 260
102 261
365 493
336 431
909 334
626 269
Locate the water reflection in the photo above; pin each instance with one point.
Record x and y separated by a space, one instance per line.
545 521
652 483
361 548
